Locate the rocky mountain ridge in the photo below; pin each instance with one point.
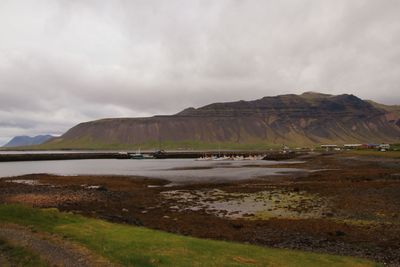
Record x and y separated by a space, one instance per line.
306 119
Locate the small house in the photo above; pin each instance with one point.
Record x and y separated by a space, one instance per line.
384 147
370 146
352 146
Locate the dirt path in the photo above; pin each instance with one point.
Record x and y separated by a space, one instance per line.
55 251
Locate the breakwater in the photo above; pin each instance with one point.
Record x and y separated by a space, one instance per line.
269 155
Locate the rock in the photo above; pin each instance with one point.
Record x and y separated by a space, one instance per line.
340 233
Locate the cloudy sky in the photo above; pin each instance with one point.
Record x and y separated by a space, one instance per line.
64 62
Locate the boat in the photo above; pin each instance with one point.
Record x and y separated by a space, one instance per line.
205 158
139 155
222 158
160 154
238 158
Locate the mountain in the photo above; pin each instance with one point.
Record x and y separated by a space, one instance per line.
306 119
28 141
389 108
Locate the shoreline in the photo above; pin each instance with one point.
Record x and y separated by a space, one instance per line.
341 210
37 156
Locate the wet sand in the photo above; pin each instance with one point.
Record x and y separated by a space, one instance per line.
349 207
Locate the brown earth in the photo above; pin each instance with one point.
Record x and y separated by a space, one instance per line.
361 217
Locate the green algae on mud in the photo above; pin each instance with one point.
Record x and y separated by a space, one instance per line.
138 246
274 203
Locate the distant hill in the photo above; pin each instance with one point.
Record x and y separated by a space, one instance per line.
28 141
306 119
389 108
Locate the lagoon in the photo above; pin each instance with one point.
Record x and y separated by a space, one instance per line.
179 171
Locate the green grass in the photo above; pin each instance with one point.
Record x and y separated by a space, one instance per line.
18 256
138 246
395 147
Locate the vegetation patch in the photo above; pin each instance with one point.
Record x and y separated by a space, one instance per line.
138 246
275 203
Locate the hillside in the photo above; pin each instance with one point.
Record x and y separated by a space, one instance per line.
389 108
310 118
19 141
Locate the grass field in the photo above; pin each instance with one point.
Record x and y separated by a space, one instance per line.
138 246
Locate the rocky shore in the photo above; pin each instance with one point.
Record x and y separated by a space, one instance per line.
348 208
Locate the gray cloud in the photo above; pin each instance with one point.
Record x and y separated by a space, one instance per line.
63 62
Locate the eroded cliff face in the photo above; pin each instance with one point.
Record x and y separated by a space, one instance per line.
310 118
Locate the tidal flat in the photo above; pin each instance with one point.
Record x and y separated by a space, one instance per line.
348 207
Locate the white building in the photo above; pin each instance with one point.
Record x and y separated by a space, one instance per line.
384 147
352 146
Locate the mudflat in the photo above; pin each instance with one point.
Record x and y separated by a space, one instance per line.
341 204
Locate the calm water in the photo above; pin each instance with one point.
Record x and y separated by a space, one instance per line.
174 170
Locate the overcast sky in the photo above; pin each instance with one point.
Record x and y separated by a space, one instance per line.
64 62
